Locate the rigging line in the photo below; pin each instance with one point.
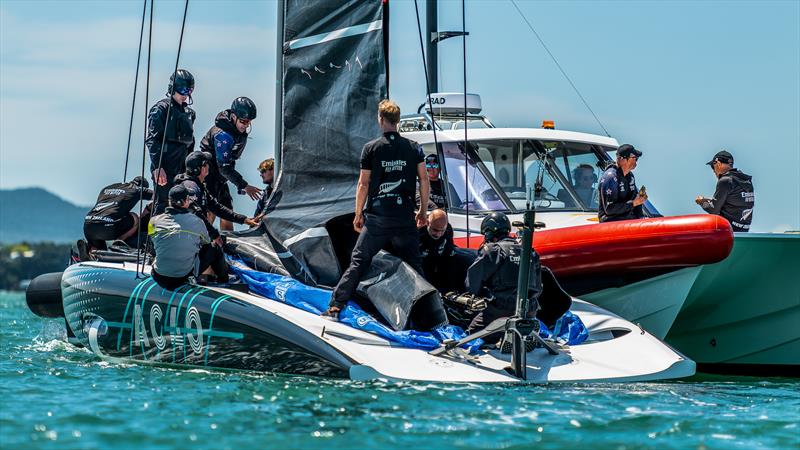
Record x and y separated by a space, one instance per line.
513 2
171 93
139 253
172 90
466 142
135 86
427 88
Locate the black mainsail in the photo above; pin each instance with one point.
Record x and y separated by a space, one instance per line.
334 62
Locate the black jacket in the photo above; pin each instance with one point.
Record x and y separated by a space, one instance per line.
733 199
226 144
205 203
261 206
617 192
496 271
179 140
116 201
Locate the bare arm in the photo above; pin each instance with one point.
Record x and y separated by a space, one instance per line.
361 198
424 193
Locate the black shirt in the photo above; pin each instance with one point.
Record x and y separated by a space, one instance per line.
116 201
496 271
733 199
617 192
393 161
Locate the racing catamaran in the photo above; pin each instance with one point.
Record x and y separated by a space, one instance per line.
333 69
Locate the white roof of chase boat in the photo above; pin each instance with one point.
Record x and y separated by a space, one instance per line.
425 137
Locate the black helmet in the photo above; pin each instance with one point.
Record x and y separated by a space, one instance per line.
182 81
244 108
196 160
495 225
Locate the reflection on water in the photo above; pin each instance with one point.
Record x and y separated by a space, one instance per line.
57 396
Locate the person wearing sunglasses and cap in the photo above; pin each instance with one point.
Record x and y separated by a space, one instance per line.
226 141
438 197
267 171
170 135
619 197
734 197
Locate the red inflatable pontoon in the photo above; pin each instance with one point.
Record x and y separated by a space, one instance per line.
659 244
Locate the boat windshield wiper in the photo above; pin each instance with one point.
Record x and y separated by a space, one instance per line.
470 153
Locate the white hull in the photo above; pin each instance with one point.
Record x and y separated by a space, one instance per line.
653 303
634 355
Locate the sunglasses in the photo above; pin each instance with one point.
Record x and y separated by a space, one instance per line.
264 170
184 90
432 166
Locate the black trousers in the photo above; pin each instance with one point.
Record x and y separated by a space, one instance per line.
97 233
378 231
212 256
170 283
161 196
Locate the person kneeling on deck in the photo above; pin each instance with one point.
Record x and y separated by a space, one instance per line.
182 245
197 169
111 217
495 273
390 167
444 265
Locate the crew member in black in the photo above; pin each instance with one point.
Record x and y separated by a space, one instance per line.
495 273
390 167
437 250
226 141
197 168
438 196
111 218
267 171
170 125
619 198
734 197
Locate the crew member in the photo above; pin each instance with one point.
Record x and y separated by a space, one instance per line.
384 212
619 198
438 196
267 171
112 217
170 135
226 141
178 236
437 250
583 179
734 197
203 202
495 273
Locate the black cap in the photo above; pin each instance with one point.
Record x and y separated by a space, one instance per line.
627 150
723 157
141 182
196 160
178 194
432 158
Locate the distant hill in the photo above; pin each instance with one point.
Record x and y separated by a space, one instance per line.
37 215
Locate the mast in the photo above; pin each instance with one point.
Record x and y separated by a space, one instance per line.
431 49
279 86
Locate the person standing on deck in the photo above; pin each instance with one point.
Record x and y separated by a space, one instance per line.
734 197
390 168
170 124
619 198
226 141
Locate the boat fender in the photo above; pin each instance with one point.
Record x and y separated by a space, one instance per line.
44 295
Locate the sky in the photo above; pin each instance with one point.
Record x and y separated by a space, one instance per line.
680 80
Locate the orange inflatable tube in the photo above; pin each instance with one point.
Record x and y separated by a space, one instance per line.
630 245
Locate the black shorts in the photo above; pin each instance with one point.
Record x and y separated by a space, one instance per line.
97 233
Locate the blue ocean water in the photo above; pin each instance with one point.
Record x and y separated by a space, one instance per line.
57 396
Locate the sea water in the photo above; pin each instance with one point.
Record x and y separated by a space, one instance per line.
58 396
